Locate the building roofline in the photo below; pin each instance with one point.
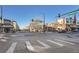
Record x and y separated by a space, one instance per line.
13 21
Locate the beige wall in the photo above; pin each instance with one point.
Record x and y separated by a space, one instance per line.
35 26
1 21
61 23
15 26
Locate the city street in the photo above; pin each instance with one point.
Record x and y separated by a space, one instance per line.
49 42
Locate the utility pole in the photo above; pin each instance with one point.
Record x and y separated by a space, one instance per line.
1 14
44 23
2 18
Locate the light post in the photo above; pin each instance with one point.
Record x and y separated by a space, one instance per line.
44 23
1 14
2 19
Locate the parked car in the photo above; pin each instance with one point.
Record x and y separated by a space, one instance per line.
62 31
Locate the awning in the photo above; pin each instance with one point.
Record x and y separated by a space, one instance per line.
7 26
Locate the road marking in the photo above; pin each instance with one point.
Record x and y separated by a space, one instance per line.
45 45
13 35
55 43
12 47
2 35
29 46
67 42
3 40
5 37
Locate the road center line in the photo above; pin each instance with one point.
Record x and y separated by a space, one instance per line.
55 43
67 42
45 45
12 47
29 46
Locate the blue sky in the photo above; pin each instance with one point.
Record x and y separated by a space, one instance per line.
24 13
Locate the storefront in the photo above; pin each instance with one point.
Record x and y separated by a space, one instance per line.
7 28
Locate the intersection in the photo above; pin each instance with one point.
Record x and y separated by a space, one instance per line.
48 42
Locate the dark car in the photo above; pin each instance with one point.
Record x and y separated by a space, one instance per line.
62 31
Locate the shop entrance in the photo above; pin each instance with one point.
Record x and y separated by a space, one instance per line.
6 30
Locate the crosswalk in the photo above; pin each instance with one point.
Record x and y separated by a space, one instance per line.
66 42
43 46
11 49
3 39
29 46
56 43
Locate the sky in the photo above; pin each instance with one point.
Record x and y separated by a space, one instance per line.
23 14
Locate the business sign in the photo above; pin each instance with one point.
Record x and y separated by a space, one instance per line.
69 20
77 22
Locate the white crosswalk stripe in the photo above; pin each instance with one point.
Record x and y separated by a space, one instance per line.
66 42
3 40
45 45
55 43
13 35
12 48
29 46
5 37
33 48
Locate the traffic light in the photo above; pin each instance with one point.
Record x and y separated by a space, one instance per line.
59 15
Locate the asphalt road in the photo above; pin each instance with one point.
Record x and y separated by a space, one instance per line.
49 42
